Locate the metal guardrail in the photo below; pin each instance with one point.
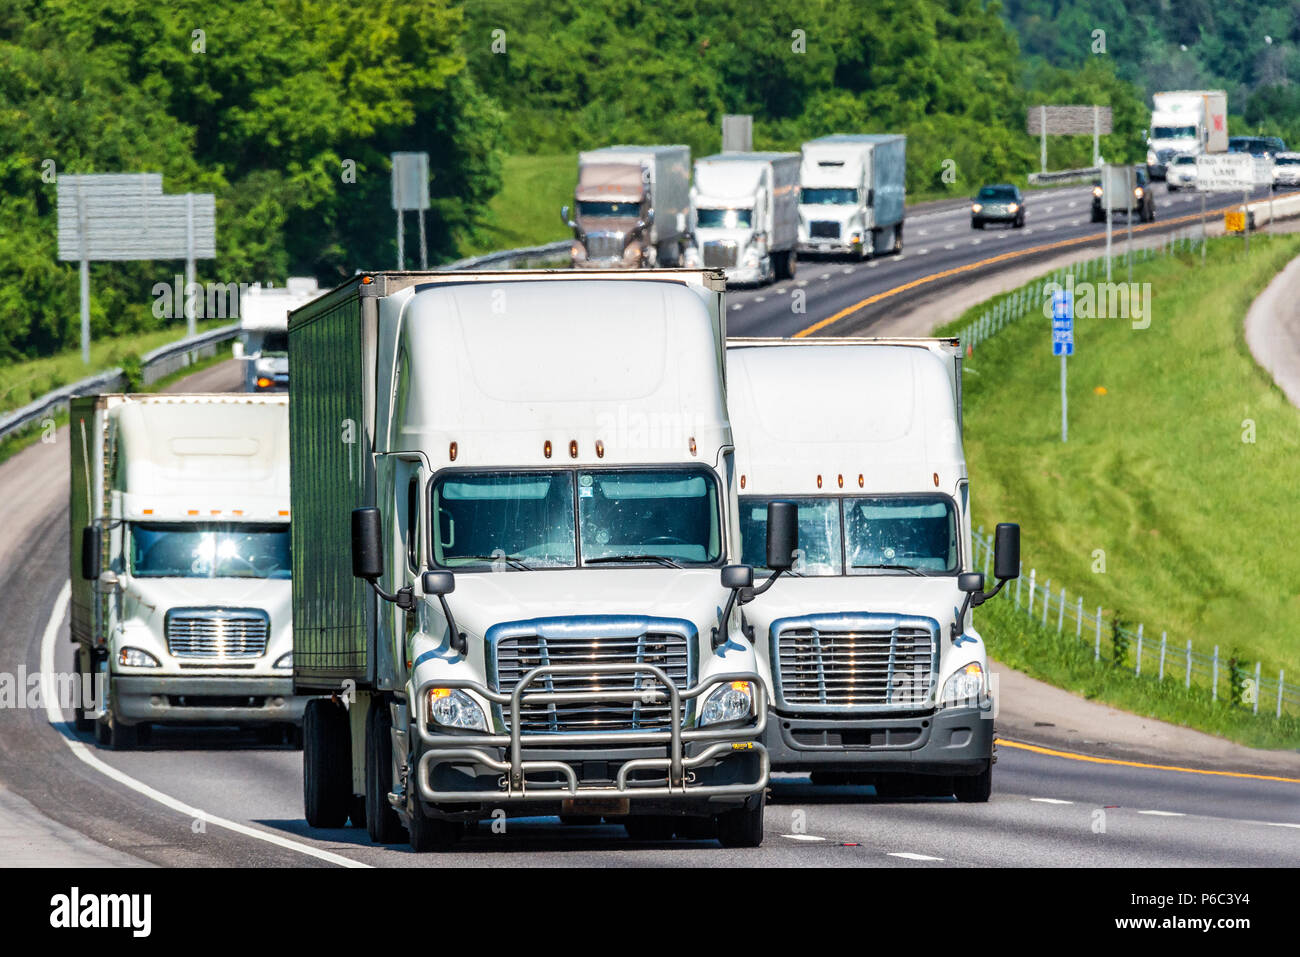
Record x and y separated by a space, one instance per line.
154 365
515 258
1064 175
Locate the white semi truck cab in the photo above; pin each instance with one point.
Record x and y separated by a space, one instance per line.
851 194
1185 121
746 212
532 472
875 670
263 342
180 561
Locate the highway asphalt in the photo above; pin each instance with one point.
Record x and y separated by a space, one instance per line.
202 798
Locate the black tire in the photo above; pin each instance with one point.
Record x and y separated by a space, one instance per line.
1098 217
977 224
742 827
898 238
326 764
143 733
890 786
80 721
650 827
427 834
123 737
1172 188
1020 222
792 266
382 822
357 811
974 788
696 829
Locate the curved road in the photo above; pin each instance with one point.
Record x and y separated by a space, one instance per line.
201 798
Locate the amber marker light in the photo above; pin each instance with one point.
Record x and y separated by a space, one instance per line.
841 481
546 449
692 445
936 479
573 448
600 449
819 481
861 481
742 481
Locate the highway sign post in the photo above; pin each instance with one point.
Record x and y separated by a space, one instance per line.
125 216
1228 173
411 191
1068 121
1114 180
1063 345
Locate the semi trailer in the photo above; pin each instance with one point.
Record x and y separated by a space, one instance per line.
515 556
873 664
180 562
1185 121
745 208
851 194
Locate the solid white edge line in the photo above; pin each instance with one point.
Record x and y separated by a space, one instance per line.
78 747
803 837
1164 813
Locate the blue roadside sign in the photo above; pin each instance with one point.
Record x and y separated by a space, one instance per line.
1063 322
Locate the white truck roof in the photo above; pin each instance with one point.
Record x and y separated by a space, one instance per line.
840 160
727 176
266 309
882 414
636 368
202 457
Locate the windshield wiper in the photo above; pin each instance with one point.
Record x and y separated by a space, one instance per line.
606 559
910 569
510 560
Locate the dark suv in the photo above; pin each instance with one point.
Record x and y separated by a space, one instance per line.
999 203
1144 202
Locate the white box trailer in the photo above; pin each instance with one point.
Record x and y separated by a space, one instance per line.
631 207
1185 121
745 210
180 561
263 343
852 194
876 672
531 472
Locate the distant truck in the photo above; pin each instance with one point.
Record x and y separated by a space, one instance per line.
263 342
1185 121
631 207
876 672
180 562
746 215
532 473
852 190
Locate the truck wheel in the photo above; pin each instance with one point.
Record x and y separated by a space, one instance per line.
975 788
357 811
122 737
382 821
80 721
826 779
742 827
427 833
898 237
326 764
792 264
650 827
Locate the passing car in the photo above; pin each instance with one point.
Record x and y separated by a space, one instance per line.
1181 173
1286 170
1144 203
999 203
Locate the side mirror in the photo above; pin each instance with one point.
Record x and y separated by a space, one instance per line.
650 217
737 576
92 544
1006 551
782 535
237 350
438 583
564 216
367 543
970 582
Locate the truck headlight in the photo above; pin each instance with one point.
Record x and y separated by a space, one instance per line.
633 253
455 709
284 661
964 687
1151 157
135 658
578 252
1096 191
731 702
975 207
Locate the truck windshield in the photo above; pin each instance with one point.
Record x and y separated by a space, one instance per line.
723 218
276 344
202 550
867 535
828 197
1173 132
598 210
527 519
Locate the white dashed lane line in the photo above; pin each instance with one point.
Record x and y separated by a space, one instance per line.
1163 813
1050 801
909 856
803 837
736 305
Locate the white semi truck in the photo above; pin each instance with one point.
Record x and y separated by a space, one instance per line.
876 672
1185 121
263 342
746 214
631 207
532 474
180 562
852 190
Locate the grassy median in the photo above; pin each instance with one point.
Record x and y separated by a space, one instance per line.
1174 502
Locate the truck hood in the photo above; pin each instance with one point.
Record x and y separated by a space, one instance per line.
828 214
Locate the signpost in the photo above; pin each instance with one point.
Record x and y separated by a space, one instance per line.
1063 345
411 191
125 216
1117 181
1068 121
1228 173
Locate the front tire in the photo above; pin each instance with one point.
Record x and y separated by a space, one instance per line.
382 822
742 827
975 788
427 834
326 764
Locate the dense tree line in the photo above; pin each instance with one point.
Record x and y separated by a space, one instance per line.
287 111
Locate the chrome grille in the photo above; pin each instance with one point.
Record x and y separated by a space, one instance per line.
201 633
604 245
720 253
517 655
848 668
821 229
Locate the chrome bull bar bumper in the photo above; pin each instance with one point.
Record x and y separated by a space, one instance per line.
515 785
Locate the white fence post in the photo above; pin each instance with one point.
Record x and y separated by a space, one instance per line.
1060 618
1188 682
1047 600
1214 681
1281 674
1032 573
1096 651
1078 618
1162 656
1257 689
1138 670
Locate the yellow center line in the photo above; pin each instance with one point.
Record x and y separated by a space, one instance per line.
1003 742
1003 257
